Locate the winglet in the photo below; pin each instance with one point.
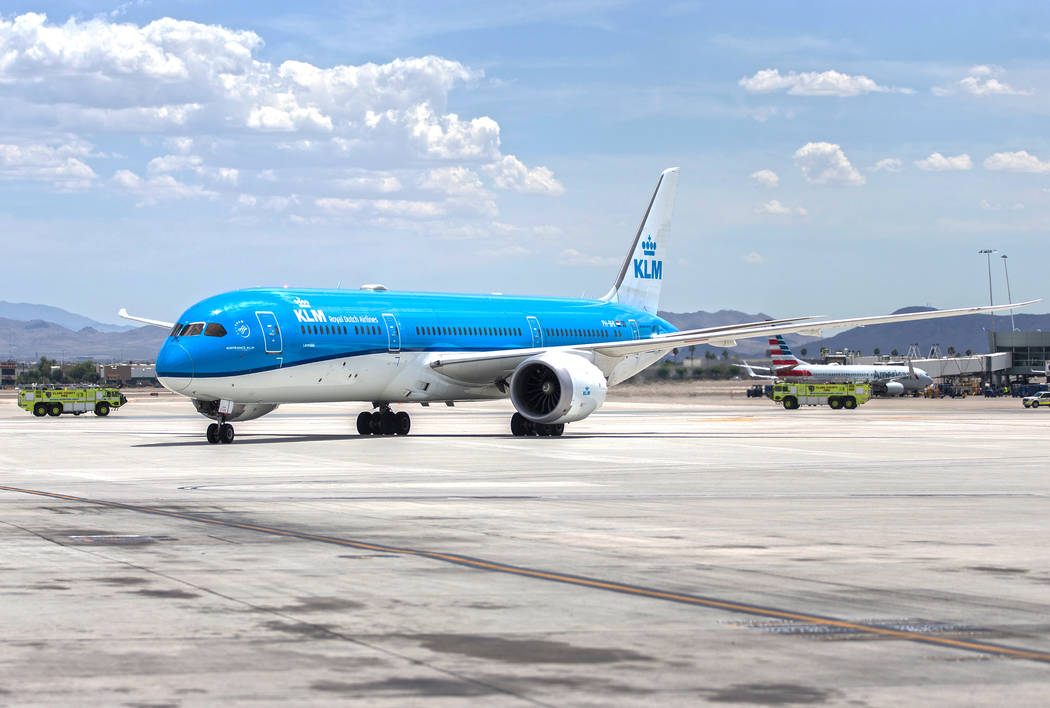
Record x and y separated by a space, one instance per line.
156 323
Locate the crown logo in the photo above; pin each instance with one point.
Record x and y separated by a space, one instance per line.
649 246
301 302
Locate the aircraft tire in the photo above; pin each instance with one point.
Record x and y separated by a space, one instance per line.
542 430
55 410
102 409
376 424
403 422
212 433
517 425
388 424
364 423
226 433
850 403
40 410
557 430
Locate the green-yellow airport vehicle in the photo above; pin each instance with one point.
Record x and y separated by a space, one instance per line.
834 395
56 401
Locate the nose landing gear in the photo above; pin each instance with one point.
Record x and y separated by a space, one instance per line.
383 422
221 432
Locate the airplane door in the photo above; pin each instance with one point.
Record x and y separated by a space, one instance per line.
393 332
537 333
634 329
271 331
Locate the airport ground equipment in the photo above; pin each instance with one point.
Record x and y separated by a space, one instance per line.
836 396
1040 400
56 401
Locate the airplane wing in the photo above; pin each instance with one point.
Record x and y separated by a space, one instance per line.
489 367
156 323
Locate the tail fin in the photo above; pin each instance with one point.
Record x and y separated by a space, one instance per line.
642 272
781 353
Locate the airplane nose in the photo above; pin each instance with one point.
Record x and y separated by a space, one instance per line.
174 366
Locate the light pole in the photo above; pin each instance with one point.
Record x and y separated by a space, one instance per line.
1009 297
988 255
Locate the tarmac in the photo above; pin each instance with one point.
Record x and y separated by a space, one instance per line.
673 551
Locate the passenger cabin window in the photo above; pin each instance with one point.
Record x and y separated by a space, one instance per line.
214 329
192 330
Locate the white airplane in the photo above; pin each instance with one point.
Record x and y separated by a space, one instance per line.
893 379
240 354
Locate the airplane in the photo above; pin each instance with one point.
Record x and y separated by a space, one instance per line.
240 354
891 379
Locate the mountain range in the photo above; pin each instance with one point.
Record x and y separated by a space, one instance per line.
29 331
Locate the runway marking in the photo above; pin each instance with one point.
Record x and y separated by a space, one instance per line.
577 580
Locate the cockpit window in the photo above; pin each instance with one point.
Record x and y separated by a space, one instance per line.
175 330
214 329
192 330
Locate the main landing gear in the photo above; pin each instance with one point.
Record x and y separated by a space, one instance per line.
221 432
522 426
384 422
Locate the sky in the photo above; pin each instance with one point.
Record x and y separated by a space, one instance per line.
843 159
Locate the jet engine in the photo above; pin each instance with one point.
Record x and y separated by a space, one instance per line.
894 388
241 411
555 387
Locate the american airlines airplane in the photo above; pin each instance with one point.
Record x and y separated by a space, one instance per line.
891 379
239 355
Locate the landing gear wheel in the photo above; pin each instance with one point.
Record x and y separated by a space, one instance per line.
40 410
212 433
557 430
543 430
388 423
402 423
376 423
102 409
850 403
364 423
226 433
518 425
55 410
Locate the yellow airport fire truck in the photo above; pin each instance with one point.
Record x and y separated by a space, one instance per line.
56 401
835 395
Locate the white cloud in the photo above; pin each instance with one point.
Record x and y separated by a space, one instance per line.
825 163
459 181
982 82
1020 161
988 206
510 173
570 256
775 208
61 165
766 178
158 188
811 83
939 163
888 164
753 257
383 184
173 163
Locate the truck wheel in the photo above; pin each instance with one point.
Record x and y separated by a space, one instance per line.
39 410
102 409
835 403
55 410
790 403
850 403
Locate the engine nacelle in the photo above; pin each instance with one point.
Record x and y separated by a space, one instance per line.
894 388
241 411
556 387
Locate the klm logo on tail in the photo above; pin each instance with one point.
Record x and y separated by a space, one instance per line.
645 268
